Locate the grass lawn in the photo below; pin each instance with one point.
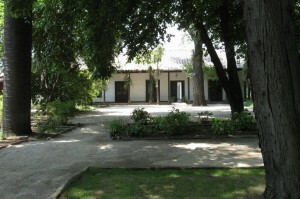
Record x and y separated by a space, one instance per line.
171 183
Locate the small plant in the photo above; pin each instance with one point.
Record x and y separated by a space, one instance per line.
183 99
137 129
176 122
248 103
157 123
222 127
58 113
116 127
243 120
140 115
203 116
173 99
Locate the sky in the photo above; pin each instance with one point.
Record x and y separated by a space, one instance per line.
181 39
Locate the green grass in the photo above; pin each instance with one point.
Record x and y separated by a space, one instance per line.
173 184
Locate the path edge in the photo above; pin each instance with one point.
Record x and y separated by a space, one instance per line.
66 184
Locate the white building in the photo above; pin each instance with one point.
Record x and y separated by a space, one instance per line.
174 84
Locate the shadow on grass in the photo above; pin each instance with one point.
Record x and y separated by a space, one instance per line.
160 183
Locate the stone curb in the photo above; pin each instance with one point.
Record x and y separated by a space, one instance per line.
66 184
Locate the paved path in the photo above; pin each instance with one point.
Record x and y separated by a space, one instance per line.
38 169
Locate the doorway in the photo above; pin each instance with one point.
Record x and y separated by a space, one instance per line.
215 90
121 92
152 87
177 90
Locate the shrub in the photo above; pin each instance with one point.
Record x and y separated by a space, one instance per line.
61 111
58 113
248 103
203 116
138 129
222 127
175 122
157 123
116 127
243 120
140 115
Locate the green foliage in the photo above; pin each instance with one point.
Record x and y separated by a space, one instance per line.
222 127
243 120
210 72
157 123
188 68
116 127
138 129
139 115
65 84
57 113
176 122
248 103
203 116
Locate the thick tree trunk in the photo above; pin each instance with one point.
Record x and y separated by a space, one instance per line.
17 76
274 72
198 78
227 85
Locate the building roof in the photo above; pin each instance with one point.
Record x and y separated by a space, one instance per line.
172 60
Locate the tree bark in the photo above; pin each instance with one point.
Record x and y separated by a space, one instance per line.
221 73
17 75
198 78
274 72
227 32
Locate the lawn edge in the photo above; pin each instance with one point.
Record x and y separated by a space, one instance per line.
66 184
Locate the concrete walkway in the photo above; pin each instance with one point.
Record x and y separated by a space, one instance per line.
39 169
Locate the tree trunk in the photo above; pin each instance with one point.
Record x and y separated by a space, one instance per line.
221 73
17 75
274 72
198 78
157 93
227 32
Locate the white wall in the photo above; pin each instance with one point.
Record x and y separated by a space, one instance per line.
138 88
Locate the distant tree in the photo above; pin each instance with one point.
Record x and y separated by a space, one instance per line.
198 76
128 83
147 25
153 59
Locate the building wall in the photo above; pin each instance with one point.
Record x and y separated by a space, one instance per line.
138 88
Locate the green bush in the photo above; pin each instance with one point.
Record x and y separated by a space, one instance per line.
222 127
140 115
116 127
61 111
203 116
243 120
248 103
157 123
58 113
138 129
175 122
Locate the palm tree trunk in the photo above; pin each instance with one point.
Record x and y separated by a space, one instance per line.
17 75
